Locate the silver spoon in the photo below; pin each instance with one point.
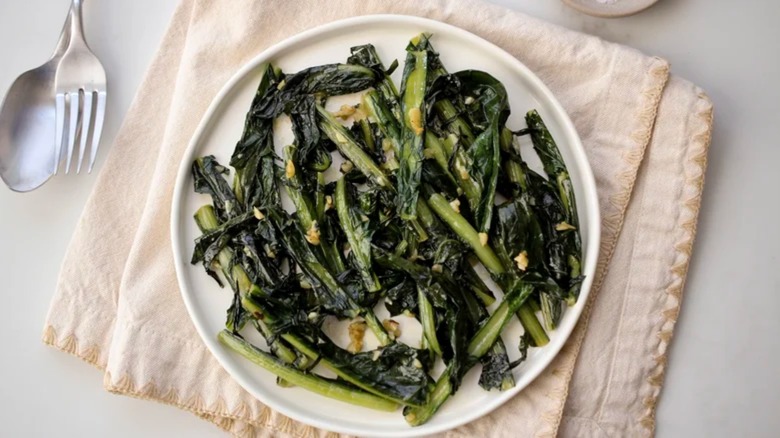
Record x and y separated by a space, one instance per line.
27 124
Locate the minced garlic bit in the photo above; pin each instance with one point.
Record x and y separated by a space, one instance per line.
289 169
258 214
313 234
414 256
280 85
387 144
313 316
483 239
344 112
357 330
363 218
393 328
564 226
522 260
469 100
462 172
304 284
390 162
269 252
415 119
455 204
437 268
375 355
416 362
347 166
360 113
328 202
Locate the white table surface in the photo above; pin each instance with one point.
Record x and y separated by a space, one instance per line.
724 377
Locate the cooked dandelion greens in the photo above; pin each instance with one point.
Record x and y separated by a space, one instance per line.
412 215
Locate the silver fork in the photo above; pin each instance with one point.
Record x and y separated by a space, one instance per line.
81 88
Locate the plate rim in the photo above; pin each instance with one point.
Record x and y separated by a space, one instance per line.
577 151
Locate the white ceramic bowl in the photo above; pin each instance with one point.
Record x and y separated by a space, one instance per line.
610 8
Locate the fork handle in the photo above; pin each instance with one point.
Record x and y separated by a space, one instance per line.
76 29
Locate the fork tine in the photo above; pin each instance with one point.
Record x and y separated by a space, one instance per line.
100 113
72 124
59 111
86 121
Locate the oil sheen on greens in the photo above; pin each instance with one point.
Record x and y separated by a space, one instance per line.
414 211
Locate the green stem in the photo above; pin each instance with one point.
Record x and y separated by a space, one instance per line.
535 306
465 231
311 382
458 125
436 149
532 326
319 197
206 219
356 236
416 416
428 320
491 330
368 136
377 328
475 283
422 235
347 145
448 144
514 169
425 215
294 187
388 124
516 174
277 347
551 311
333 257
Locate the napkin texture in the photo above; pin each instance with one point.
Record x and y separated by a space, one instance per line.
118 306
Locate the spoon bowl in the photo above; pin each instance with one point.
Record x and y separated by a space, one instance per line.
27 124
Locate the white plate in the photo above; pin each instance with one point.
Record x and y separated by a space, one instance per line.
221 128
610 8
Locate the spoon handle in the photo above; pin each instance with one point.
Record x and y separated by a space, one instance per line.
64 41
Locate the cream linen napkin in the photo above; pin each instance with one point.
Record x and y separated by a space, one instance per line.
117 304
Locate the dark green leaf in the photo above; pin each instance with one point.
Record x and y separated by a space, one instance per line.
208 178
396 369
